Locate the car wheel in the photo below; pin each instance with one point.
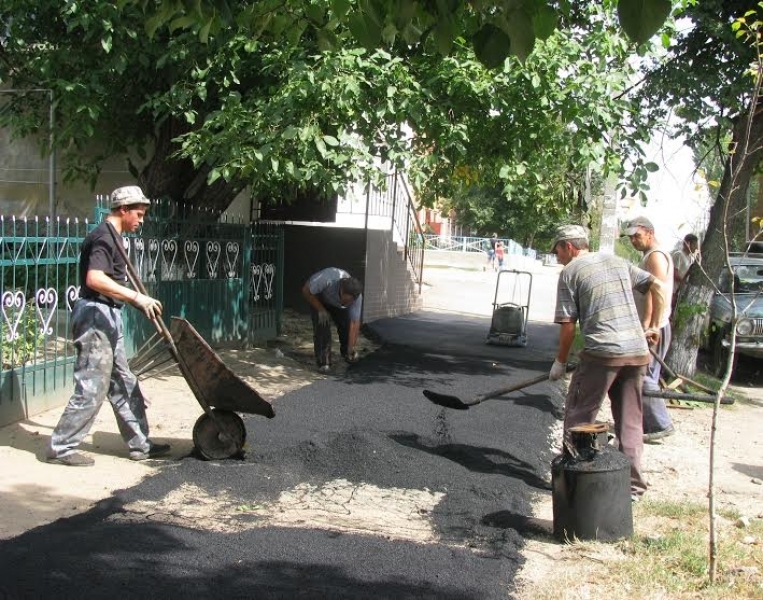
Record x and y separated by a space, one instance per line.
720 355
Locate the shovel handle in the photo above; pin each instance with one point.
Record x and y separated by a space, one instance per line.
674 374
516 387
132 275
508 389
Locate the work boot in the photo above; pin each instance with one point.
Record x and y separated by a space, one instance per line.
153 451
75 459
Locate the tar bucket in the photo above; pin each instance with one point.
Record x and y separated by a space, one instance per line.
591 488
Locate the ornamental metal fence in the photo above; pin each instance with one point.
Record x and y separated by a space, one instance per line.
459 243
39 282
225 277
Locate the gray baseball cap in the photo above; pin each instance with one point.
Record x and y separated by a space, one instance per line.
631 227
127 195
569 232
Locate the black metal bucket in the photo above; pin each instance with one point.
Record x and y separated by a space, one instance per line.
591 489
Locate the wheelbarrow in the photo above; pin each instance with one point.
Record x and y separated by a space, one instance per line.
508 326
220 432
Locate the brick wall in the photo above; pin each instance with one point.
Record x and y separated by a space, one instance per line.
390 288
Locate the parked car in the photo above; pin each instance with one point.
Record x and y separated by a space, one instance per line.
747 284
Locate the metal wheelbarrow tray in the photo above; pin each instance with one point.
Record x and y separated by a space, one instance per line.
219 432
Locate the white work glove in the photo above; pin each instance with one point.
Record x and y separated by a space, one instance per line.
558 370
352 356
151 307
323 317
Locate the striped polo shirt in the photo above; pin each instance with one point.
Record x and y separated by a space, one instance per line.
596 290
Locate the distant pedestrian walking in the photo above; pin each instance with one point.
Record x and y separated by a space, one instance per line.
492 242
500 253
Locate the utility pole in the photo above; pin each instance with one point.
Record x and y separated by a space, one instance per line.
608 230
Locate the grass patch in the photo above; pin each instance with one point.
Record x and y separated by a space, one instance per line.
676 553
667 558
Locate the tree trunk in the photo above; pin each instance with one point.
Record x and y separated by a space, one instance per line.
177 180
695 296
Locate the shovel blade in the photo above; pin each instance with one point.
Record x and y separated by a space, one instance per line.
446 400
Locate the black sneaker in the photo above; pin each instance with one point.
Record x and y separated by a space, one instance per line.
650 438
153 451
75 459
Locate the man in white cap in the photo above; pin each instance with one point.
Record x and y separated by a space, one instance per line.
595 290
101 367
658 261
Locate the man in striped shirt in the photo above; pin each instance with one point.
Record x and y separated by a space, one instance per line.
596 291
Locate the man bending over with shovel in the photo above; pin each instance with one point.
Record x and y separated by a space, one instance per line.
595 289
101 367
334 296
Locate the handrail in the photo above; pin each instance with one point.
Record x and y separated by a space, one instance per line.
415 243
394 204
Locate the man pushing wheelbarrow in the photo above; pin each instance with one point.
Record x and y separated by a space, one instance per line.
101 367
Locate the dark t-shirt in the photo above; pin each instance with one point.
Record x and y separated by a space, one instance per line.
100 254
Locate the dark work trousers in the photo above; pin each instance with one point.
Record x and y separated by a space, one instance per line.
589 386
100 371
322 333
656 417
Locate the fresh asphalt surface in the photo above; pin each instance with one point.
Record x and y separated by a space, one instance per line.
373 426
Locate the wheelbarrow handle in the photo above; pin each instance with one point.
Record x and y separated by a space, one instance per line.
132 275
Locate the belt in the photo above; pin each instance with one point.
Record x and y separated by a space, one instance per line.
107 302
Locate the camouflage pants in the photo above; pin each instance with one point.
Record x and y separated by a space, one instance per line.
100 371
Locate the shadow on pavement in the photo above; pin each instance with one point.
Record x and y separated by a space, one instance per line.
128 560
526 526
478 459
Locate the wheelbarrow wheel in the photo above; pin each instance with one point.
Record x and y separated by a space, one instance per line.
219 436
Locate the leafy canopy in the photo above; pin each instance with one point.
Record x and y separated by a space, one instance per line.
495 29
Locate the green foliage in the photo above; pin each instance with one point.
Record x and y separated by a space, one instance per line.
533 161
496 29
288 103
641 19
699 77
624 249
21 349
684 312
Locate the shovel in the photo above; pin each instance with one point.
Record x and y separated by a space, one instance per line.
456 403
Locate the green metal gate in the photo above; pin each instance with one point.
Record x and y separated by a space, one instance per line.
225 277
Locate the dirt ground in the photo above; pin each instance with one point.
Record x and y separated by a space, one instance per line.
33 493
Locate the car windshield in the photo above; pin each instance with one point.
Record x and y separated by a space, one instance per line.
747 279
